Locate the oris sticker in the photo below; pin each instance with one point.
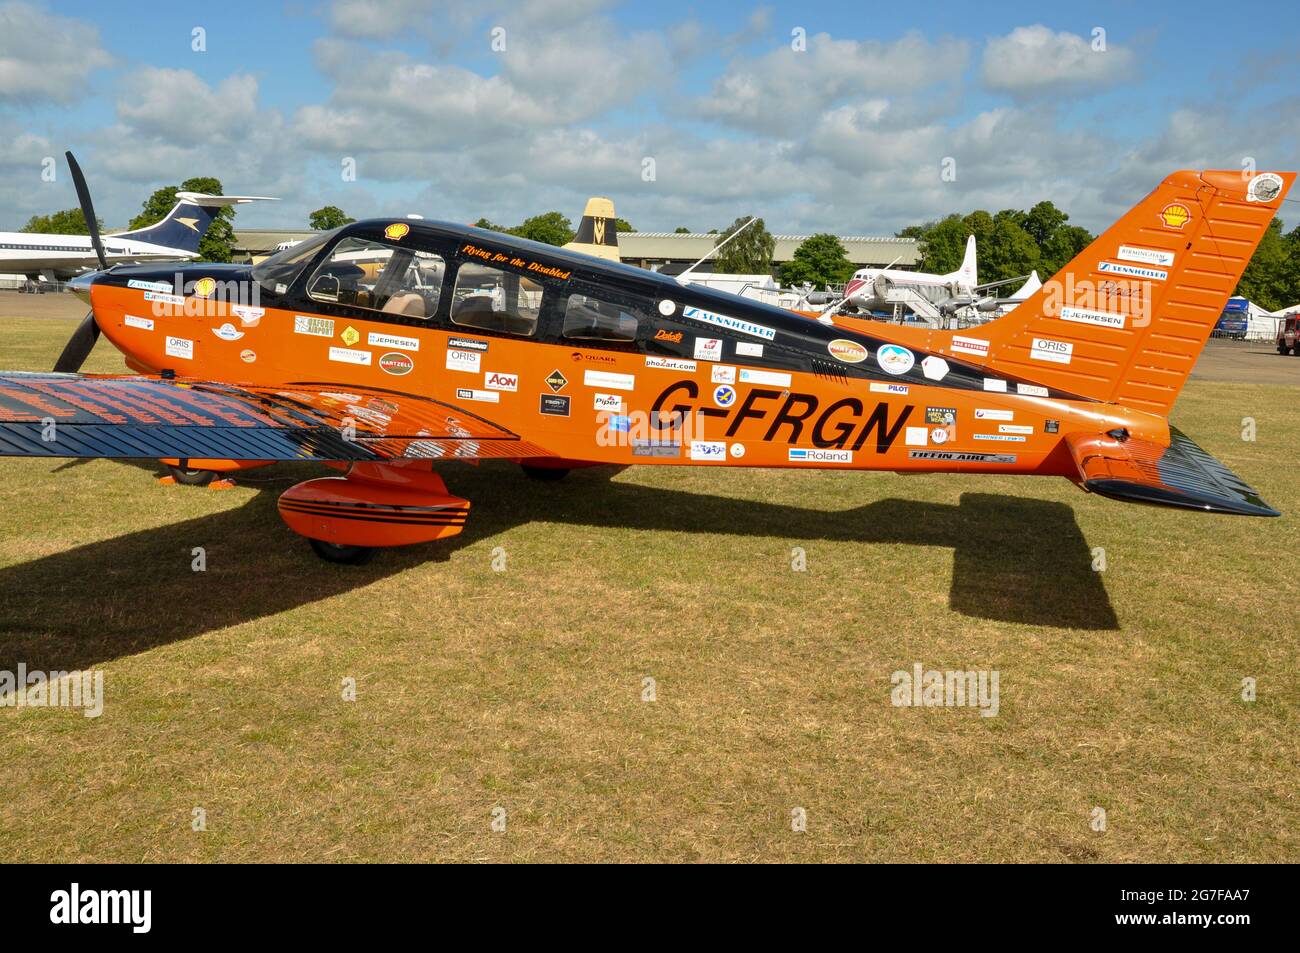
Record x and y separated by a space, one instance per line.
396 364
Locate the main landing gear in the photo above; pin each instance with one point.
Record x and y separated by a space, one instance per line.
187 477
547 474
347 555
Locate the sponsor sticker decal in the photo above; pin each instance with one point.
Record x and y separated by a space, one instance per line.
163 286
248 356
666 308
400 343
346 355
943 420
1058 352
724 374
163 298
350 336
881 387
608 379
970 346
1148 256
467 361
819 455
144 324
746 349
894 359
749 375
397 231
916 437
554 405
934 368
1175 215
737 450
317 327
180 347
850 352
1031 390
1264 187
486 396
651 448
495 380
731 324
556 381
228 332
672 337
610 402
1000 436
619 423
396 363
724 395
1052 426
1103 319
204 287
710 450
1133 271
1015 428
961 456
708 349
671 364
248 317
993 384
465 344
990 413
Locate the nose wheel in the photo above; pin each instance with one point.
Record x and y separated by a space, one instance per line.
188 477
347 555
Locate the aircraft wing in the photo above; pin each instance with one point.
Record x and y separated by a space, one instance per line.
125 417
1179 475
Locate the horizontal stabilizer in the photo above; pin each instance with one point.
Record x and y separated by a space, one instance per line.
220 201
1181 474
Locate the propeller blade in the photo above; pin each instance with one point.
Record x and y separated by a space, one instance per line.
87 212
78 347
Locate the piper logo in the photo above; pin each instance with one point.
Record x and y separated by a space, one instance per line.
76 906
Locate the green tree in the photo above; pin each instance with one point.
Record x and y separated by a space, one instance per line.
549 227
67 222
623 225
1006 251
750 254
681 230
821 260
219 241
1059 250
327 217
1042 222
1272 277
490 226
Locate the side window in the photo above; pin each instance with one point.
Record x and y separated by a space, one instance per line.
495 300
369 274
597 320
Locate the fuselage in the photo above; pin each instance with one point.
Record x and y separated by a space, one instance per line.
593 360
63 256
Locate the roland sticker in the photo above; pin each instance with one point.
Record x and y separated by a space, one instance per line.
395 341
818 455
850 352
467 361
346 355
1103 319
1058 352
608 380
317 327
180 347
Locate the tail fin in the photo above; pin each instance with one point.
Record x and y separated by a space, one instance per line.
968 272
1028 288
187 223
1125 320
598 231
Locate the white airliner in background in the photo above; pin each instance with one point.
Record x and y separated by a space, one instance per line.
45 257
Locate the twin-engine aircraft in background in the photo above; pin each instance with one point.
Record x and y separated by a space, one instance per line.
50 257
389 345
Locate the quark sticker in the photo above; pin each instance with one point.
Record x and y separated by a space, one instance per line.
730 323
228 332
818 455
1103 319
880 387
1147 256
746 349
395 341
850 352
609 380
467 361
749 375
144 324
708 450
1132 271
346 355
894 359
495 380
934 368
396 363
671 364
970 346
993 413
1058 352
180 347
317 327
723 374
708 349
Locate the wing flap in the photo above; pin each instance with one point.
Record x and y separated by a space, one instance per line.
120 417
1180 474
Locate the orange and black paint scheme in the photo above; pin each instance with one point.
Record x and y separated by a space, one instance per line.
387 346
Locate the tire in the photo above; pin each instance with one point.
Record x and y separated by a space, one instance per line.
192 477
546 474
345 555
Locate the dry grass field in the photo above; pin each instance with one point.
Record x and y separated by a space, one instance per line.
522 689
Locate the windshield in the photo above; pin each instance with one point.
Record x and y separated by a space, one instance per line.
278 272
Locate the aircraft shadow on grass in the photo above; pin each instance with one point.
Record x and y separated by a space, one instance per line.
1014 560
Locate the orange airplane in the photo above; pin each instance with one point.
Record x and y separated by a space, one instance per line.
385 346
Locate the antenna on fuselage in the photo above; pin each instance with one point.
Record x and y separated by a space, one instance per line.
716 248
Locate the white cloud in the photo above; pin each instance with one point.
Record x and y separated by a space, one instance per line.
1035 61
46 58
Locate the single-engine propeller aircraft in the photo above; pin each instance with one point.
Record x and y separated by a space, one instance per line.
388 345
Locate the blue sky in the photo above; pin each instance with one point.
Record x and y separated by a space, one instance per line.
848 133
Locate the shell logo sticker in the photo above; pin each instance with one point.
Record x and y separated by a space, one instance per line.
1175 215
396 364
205 286
397 231
850 352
